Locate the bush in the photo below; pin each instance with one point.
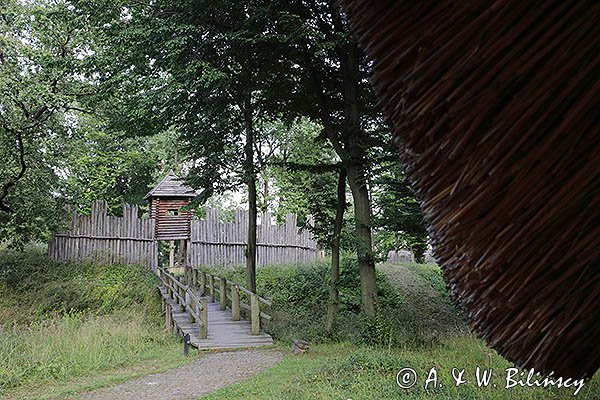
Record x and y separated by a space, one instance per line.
23 270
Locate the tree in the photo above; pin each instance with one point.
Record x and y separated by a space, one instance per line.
398 214
108 167
311 181
332 88
203 68
41 53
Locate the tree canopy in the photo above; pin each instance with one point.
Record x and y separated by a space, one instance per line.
271 99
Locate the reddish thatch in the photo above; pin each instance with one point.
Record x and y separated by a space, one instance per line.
496 108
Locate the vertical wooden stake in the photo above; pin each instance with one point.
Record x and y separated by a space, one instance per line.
190 306
211 288
171 255
168 320
223 294
203 283
203 318
183 301
235 302
254 314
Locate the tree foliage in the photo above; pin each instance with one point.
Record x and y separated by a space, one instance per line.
41 56
398 216
108 167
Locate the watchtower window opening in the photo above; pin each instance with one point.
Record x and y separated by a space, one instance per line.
172 212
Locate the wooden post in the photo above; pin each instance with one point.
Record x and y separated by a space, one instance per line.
235 302
168 319
173 291
223 294
203 319
171 255
203 283
211 287
190 306
254 314
182 294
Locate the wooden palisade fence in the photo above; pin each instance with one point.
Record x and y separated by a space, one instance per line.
132 240
215 242
108 239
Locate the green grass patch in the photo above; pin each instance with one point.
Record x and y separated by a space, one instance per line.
71 326
43 360
347 371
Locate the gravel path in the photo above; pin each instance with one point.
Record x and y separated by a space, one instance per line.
192 380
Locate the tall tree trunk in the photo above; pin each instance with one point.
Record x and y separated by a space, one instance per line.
250 177
355 168
350 147
364 252
334 293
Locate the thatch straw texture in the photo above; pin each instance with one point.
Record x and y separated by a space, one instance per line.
495 106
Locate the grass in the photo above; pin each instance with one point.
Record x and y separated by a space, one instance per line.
349 371
68 327
52 352
417 327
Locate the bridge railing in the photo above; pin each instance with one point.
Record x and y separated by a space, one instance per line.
235 296
187 300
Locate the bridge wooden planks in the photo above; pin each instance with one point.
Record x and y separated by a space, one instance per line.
223 333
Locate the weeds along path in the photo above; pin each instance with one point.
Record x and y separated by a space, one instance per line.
192 380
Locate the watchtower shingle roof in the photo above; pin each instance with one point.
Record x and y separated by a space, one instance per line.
171 186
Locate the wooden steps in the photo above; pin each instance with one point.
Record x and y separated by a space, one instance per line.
223 333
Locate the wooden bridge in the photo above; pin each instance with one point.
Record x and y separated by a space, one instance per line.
210 310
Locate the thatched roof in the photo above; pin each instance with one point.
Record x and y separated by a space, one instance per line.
171 186
494 106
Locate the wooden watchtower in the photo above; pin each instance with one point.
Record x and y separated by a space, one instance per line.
172 223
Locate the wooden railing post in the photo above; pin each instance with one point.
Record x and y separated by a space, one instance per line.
203 334
190 306
254 314
235 302
203 283
182 298
211 287
169 319
223 294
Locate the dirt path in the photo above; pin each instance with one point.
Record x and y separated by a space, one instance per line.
192 380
